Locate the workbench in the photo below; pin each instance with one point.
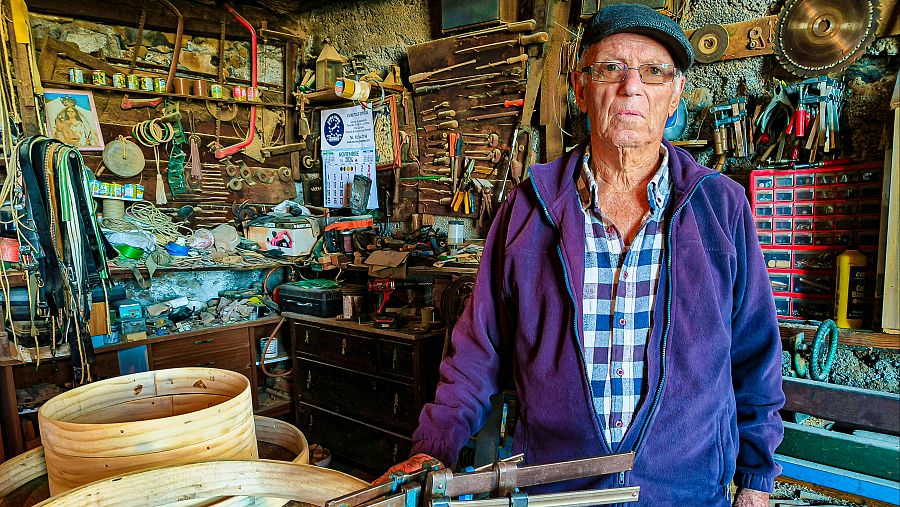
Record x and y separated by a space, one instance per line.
360 389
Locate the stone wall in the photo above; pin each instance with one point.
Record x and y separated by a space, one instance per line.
198 53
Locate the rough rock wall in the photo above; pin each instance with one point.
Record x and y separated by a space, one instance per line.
198 53
379 30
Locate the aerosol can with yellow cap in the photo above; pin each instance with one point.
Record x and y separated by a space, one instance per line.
850 293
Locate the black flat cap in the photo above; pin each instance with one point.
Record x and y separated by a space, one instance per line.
640 19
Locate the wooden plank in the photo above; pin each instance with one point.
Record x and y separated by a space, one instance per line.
847 452
72 52
859 408
554 87
837 483
890 241
31 123
12 444
848 337
739 38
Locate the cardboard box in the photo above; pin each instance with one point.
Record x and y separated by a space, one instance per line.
294 236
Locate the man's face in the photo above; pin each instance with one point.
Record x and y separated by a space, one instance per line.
628 114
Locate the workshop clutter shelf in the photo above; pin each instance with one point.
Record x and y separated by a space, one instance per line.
86 86
804 219
360 389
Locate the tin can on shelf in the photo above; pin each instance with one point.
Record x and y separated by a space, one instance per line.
216 91
98 77
133 82
147 83
118 80
161 84
239 92
76 75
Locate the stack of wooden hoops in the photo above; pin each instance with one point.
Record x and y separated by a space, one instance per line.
113 430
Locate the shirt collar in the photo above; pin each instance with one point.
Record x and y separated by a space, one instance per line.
658 189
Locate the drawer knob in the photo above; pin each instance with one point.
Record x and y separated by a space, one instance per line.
394 360
394 456
396 403
308 380
344 347
306 339
201 342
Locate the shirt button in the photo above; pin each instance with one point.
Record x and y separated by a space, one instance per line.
621 322
618 424
625 275
620 372
610 230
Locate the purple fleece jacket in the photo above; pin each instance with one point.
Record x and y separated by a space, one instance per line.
713 357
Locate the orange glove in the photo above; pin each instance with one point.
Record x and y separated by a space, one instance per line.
413 464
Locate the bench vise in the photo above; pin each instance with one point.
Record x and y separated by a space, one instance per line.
432 486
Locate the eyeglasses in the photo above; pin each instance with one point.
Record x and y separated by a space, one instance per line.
614 72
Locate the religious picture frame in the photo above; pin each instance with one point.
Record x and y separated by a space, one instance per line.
72 118
387 134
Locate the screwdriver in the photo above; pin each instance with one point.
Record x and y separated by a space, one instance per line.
505 103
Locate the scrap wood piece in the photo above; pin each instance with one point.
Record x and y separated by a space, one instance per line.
755 37
72 52
554 84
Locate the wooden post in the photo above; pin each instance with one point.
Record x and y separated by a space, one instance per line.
22 66
9 417
291 51
888 262
554 84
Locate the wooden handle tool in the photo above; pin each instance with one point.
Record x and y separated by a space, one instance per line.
515 59
522 40
422 76
517 27
446 125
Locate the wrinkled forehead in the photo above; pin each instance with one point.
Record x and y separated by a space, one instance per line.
628 47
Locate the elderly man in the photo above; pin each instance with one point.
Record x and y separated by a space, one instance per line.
624 290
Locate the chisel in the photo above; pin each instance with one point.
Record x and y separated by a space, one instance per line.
518 27
492 116
522 40
430 109
505 103
515 59
422 76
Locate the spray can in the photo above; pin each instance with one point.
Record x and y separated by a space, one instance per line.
850 293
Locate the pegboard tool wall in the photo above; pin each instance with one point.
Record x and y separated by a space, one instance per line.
464 99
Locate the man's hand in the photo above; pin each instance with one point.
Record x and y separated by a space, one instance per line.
411 465
751 498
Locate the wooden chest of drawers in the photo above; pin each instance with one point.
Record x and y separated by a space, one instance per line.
359 389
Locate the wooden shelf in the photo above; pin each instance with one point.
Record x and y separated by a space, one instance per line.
171 336
17 278
119 273
64 84
849 337
327 96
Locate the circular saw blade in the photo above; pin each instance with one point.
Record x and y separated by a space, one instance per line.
709 42
817 37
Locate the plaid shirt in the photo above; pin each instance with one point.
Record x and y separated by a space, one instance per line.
619 292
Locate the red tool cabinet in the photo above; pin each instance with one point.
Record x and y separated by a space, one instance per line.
804 219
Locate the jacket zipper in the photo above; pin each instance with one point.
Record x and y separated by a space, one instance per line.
575 316
662 375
